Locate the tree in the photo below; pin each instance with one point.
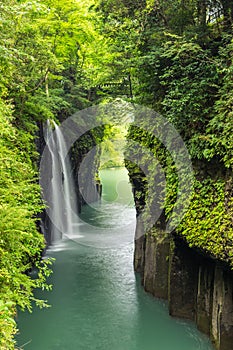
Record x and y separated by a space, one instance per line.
21 244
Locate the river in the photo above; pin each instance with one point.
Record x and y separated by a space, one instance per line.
97 302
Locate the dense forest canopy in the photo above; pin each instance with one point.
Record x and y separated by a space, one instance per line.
60 56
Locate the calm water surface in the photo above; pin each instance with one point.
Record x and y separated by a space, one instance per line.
97 301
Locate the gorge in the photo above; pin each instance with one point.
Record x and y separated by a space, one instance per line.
97 301
166 68
197 287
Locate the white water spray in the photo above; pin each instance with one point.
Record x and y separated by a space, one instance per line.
63 201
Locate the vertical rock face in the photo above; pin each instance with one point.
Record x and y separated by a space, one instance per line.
205 286
222 315
139 252
85 166
156 265
197 287
44 223
182 276
216 307
85 158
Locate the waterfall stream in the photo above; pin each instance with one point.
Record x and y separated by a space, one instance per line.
62 206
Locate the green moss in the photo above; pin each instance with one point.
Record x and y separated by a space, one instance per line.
208 221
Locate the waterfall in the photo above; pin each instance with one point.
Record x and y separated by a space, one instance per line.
62 206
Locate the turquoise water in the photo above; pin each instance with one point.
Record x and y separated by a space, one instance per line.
97 301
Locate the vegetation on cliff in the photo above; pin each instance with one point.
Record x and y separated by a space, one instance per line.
184 72
178 56
20 242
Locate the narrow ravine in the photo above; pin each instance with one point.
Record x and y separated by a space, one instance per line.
97 301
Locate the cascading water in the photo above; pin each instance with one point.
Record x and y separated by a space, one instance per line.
62 206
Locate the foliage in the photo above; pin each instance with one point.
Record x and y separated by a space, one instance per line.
208 222
112 146
50 58
184 71
20 242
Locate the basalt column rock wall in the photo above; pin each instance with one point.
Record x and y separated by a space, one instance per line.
197 287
